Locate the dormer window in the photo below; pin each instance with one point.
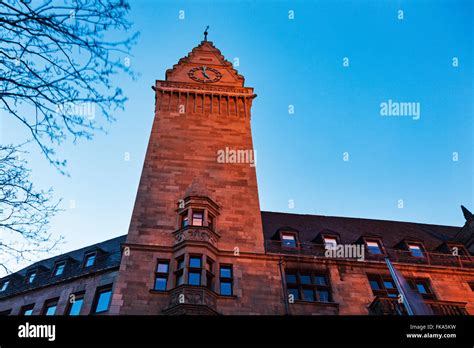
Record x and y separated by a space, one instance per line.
4 285
59 268
288 240
374 247
416 249
330 242
89 260
30 277
198 218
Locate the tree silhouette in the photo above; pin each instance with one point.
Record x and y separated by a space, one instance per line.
57 60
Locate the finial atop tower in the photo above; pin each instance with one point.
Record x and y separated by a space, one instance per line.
205 33
467 214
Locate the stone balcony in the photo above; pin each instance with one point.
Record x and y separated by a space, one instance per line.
390 306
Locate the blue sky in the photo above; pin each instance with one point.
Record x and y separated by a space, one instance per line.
299 62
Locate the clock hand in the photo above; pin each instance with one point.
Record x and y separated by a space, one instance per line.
204 72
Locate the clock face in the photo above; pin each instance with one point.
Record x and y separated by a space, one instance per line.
204 74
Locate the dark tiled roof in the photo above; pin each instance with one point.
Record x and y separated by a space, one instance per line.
351 229
108 256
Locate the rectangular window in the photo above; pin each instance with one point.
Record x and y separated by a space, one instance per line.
195 270
27 310
184 220
179 273
422 286
102 299
416 250
374 247
59 268
50 307
382 285
89 260
311 286
209 273
75 304
30 277
161 275
226 280
4 285
288 240
210 221
198 218
330 242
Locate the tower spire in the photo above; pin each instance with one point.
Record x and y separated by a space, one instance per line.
205 33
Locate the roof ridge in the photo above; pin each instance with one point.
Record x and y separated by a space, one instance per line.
357 218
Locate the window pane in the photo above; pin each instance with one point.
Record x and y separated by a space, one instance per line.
31 277
28 312
374 247
180 263
305 279
330 242
194 278
294 292
90 260
103 302
51 310
195 262
320 280
392 295
308 295
289 240
323 295
416 250
226 288
291 278
75 308
59 269
374 284
5 285
210 222
421 288
179 279
388 284
184 221
160 283
162 267
197 218
226 272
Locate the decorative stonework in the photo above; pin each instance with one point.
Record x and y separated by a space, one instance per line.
194 233
187 295
182 86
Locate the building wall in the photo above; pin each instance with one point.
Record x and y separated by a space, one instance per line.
62 290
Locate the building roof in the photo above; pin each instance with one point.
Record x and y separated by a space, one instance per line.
108 255
308 227
350 230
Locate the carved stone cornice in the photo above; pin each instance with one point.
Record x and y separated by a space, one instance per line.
184 87
196 233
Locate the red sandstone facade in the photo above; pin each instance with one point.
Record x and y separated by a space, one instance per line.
199 244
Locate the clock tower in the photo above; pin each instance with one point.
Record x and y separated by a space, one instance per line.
198 189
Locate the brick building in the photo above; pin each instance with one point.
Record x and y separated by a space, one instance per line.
199 244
